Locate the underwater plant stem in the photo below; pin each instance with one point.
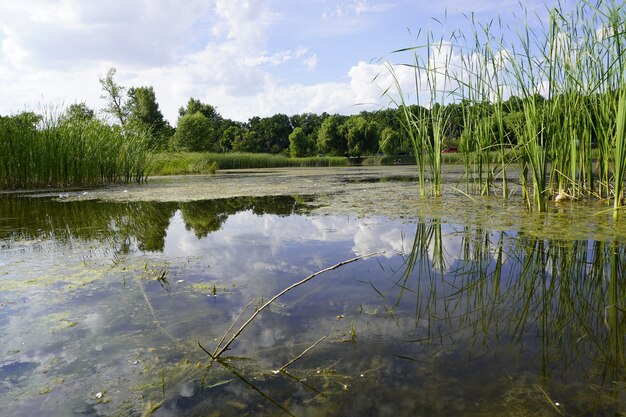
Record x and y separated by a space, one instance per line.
304 352
153 313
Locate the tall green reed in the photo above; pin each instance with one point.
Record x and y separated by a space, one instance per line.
55 153
172 163
620 151
425 128
568 74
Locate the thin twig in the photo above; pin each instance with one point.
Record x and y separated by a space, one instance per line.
301 355
219 351
154 316
304 383
554 404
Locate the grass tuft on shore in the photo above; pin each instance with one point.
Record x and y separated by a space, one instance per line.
172 163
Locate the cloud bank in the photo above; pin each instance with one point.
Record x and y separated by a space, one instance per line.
217 51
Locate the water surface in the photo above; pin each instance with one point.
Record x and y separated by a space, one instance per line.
105 308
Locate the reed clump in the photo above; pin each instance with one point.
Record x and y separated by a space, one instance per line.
168 163
565 127
38 153
180 163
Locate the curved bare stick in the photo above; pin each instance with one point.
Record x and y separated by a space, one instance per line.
219 351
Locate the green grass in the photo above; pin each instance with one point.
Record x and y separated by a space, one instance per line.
180 163
170 163
51 153
569 76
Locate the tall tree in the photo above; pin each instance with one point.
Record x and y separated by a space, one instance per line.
214 121
232 135
309 122
330 138
273 132
114 94
77 113
195 105
391 142
192 133
300 144
362 136
143 111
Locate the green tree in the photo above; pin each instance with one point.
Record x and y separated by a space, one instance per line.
513 126
114 94
249 141
391 142
513 104
330 139
300 144
192 133
230 136
309 122
362 136
143 111
78 113
214 119
453 117
195 106
273 132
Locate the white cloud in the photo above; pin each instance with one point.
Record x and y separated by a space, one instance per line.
69 33
364 6
310 62
277 58
343 9
216 51
54 52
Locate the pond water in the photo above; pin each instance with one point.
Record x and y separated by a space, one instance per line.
107 308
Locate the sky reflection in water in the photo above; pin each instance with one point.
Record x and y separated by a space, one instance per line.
103 306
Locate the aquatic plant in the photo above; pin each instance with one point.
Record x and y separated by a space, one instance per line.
568 79
171 163
36 153
180 163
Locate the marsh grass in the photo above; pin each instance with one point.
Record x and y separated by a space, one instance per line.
180 163
569 75
53 153
170 163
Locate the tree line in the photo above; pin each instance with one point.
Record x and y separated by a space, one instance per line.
201 128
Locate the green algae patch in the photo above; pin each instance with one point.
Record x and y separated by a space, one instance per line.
56 279
388 191
60 321
212 288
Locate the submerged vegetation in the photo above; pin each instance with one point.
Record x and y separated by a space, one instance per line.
565 92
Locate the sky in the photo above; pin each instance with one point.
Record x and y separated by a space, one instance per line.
245 57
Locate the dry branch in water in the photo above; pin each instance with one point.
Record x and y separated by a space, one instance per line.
218 351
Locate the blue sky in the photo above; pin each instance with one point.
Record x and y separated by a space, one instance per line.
247 58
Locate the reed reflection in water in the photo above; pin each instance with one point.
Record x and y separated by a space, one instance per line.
562 300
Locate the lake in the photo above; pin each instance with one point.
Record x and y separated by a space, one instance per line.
113 300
